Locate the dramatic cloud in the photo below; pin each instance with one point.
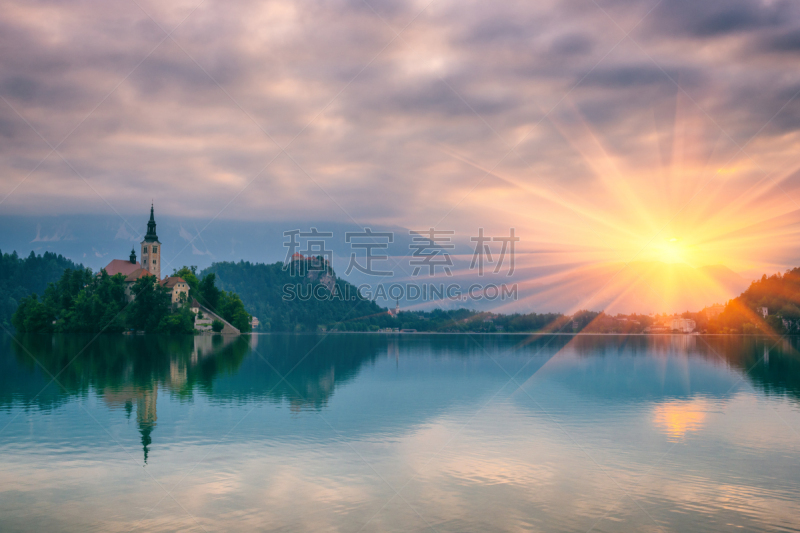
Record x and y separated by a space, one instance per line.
600 126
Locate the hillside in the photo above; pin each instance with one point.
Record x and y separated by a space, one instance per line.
284 301
779 294
20 278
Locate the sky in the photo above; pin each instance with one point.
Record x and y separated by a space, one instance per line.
605 132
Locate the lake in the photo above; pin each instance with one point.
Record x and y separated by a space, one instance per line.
405 432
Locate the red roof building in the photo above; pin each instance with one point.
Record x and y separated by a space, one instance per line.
136 274
121 266
178 286
171 281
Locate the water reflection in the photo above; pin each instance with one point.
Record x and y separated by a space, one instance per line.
323 429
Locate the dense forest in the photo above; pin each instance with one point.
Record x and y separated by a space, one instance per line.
301 299
779 293
21 277
81 301
286 299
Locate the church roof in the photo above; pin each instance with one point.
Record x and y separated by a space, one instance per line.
121 266
171 281
136 274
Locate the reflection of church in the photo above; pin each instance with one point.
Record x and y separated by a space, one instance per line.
145 400
144 397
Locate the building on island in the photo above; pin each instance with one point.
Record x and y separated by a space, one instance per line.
151 248
178 287
150 252
150 265
131 279
123 266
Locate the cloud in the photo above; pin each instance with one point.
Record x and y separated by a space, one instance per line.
554 115
193 240
716 18
125 234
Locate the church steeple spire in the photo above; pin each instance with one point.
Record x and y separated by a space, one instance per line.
133 255
151 227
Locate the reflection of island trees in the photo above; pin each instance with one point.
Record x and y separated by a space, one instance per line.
771 366
129 372
767 365
302 370
124 371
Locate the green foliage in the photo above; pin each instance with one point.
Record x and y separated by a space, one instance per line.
283 300
77 302
779 293
208 293
217 326
151 305
82 302
98 304
180 322
19 278
34 315
231 308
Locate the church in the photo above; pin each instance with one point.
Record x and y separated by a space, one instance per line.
150 251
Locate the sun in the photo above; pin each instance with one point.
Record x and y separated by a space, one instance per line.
671 250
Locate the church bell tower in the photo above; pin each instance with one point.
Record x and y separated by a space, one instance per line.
151 248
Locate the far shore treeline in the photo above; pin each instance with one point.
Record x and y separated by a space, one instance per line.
49 293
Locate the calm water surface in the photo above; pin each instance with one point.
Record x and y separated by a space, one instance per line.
399 433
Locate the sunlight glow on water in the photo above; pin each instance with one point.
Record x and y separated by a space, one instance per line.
400 433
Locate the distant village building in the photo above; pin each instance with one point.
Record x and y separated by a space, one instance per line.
683 325
254 322
763 310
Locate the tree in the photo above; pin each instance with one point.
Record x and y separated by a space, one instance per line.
208 292
176 323
35 316
217 326
21 277
151 305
